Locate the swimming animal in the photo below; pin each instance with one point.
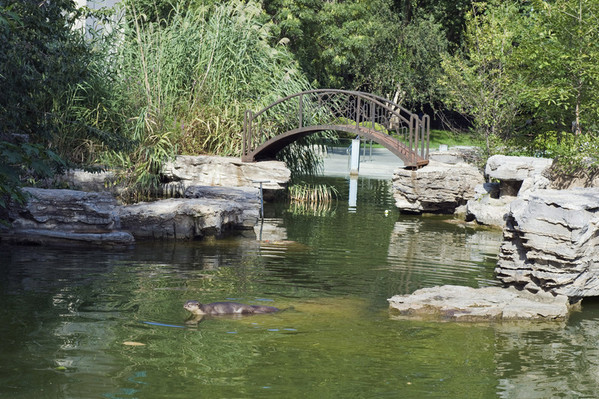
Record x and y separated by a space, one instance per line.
221 308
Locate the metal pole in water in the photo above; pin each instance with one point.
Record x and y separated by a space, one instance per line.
261 196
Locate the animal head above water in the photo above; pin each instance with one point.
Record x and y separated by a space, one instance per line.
192 306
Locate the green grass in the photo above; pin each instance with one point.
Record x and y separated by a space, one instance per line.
452 139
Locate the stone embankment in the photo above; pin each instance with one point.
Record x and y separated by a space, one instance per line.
65 216
549 257
551 243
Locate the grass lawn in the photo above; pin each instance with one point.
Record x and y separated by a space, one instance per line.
452 139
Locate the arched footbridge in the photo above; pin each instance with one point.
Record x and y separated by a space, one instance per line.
371 117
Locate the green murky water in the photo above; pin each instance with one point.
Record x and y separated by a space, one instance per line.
80 323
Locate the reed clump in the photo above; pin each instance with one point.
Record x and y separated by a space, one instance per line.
185 83
312 193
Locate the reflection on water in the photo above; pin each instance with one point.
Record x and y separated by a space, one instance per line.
69 317
440 251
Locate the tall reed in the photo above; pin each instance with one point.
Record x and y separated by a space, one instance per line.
187 82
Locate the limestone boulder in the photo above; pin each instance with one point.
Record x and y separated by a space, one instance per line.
186 171
503 167
456 154
78 179
512 177
458 303
178 218
437 187
66 216
551 243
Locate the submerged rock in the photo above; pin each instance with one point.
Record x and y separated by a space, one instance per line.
458 303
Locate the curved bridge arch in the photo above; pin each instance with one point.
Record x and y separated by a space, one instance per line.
372 117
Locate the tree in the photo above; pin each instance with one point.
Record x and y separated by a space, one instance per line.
482 81
39 57
417 69
450 14
560 55
347 45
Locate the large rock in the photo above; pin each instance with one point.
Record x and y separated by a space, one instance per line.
437 187
503 167
456 154
66 216
457 303
178 218
515 177
551 243
186 171
69 216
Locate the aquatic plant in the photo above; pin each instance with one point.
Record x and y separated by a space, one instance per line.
312 193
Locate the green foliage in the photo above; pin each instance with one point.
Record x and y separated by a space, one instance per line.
197 74
418 67
347 45
571 152
452 139
481 81
450 14
51 106
560 55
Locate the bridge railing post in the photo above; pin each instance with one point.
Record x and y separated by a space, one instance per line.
301 111
250 132
372 107
427 133
358 113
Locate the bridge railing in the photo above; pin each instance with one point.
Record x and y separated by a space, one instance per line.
350 111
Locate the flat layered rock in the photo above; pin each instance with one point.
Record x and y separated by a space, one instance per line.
179 218
65 217
458 303
504 167
52 216
204 170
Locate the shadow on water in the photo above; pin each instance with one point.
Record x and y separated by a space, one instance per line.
110 323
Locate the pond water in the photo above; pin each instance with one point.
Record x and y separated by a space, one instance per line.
105 323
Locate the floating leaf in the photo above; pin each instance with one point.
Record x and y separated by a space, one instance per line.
133 343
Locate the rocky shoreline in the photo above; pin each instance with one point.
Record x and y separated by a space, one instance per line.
549 257
90 214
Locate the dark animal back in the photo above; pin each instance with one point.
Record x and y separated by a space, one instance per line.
264 309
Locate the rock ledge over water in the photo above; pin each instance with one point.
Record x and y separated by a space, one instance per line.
458 303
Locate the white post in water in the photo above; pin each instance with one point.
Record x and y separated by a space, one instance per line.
353 193
354 167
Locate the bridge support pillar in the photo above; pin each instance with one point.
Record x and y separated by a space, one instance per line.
354 165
